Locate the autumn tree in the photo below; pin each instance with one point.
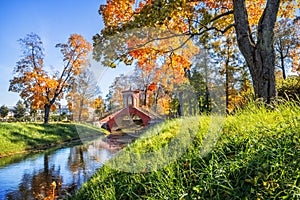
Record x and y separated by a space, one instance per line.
226 54
35 84
145 81
199 78
153 87
120 84
296 64
83 94
253 21
99 107
287 45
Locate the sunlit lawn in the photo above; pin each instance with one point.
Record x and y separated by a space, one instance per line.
18 137
255 155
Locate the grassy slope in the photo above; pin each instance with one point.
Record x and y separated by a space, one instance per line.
257 156
19 137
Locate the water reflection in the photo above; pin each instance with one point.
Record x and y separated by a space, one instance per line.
45 183
52 175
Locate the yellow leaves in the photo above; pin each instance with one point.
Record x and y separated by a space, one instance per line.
51 83
142 52
37 102
178 21
166 54
38 87
217 4
70 106
234 102
255 9
80 43
296 63
82 106
53 107
288 8
295 55
164 102
176 61
75 53
116 12
98 102
287 43
112 65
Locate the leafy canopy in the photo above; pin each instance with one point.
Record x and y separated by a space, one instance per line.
182 19
34 83
168 33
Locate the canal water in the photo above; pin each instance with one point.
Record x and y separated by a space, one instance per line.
51 174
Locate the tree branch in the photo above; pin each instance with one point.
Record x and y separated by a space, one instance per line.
222 15
158 39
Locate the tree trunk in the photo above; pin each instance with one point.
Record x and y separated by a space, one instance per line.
46 164
47 112
263 75
145 97
227 86
282 65
180 105
190 106
80 109
260 56
207 94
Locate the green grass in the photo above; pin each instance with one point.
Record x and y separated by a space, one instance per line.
255 155
20 137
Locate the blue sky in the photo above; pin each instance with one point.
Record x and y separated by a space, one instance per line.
54 21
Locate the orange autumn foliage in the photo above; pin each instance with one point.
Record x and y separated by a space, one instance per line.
179 27
172 23
39 87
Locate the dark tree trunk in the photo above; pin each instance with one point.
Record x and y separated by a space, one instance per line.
282 65
180 105
145 97
207 94
260 56
46 163
47 112
227 80
227 87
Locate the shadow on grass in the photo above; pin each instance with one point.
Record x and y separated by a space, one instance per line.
30 142
27 137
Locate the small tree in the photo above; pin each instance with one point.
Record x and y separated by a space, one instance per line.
83 94
287 45
19 110
37 86
4 111
99 107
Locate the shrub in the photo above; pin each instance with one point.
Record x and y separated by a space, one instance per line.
289 88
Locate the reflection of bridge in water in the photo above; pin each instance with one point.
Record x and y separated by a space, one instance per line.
131 112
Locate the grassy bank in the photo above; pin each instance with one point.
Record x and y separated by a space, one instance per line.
254 155
21 137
